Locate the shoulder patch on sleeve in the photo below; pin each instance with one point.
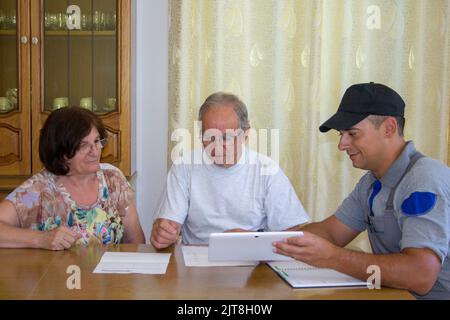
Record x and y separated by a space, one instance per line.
419 203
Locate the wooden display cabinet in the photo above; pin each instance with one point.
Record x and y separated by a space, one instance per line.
52 57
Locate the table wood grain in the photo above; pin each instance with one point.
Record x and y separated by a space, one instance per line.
41 274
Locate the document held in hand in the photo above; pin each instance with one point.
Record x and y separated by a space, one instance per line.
302 275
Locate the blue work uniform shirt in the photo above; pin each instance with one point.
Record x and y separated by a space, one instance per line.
421 206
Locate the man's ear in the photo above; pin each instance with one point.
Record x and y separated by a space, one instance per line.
390 126
246 134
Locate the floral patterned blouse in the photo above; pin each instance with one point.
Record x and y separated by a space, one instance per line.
44 204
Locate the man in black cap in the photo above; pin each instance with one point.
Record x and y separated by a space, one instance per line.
403 201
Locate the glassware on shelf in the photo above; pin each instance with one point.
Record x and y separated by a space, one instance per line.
60 102
110 104
86 21
61 21
5 105
56 21
2 19
111 18
13 19
46 21
98 21
8 19
50 21
11 94
88 103
110 21
102 21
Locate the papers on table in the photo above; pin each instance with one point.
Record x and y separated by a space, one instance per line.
301 275
198 257
133 262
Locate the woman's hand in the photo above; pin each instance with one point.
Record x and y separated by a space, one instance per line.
58 239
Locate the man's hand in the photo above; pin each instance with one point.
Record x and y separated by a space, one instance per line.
164 233
308 248
58 239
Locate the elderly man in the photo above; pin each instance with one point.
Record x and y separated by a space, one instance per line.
403 201
232 189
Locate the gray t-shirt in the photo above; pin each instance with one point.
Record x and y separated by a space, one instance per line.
421 206
251 195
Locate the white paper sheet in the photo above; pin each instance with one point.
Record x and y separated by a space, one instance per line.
133 262
195 256
301 275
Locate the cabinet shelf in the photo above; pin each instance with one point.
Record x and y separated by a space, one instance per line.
8 32
64 33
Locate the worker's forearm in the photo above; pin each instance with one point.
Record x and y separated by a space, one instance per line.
401 270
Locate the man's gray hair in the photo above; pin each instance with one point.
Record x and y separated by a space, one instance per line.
378 120
223 98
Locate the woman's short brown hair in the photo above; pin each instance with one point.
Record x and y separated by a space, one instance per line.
62 134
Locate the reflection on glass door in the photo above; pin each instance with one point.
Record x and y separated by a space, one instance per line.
80 53
8 56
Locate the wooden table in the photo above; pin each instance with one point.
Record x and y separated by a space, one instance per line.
40 274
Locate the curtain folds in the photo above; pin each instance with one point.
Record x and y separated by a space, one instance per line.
290 61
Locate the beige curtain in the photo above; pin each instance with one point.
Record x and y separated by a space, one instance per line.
291 60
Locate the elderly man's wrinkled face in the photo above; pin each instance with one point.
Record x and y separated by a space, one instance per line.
222 138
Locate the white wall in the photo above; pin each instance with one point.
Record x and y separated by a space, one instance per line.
150 99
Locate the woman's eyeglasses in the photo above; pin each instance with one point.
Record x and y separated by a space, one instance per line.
86 147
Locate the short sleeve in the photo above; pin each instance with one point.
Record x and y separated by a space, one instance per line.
174 202
27 201
284 209
120 190
352 211
424 211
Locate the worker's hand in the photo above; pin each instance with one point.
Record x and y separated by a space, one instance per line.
308 248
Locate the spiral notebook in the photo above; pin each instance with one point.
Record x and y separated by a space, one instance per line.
302 275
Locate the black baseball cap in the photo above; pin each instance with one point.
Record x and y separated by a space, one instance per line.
361 100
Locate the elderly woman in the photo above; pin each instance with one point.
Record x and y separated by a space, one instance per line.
75 199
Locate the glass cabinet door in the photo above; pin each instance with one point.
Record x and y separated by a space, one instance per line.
58 53
9 60
80 55
15 150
